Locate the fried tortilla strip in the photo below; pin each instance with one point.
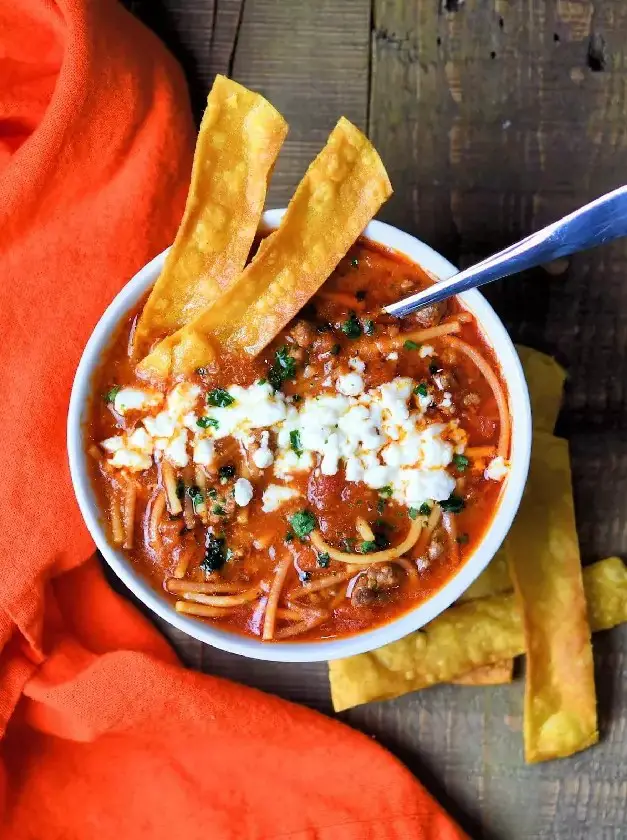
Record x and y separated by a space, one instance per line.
239 140
496 674
560 697
545 378
465 637
341 191
493 580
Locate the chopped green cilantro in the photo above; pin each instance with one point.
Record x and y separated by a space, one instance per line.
289 536
262 381
111 394
424 509
195 494
381 505
212 493
295 442
386 491
461 462
205 422
410 345
218 510
216 554
323 559
351 327
367 546
220 398
454 504
349 544
303 522
284 367
421 390
413 513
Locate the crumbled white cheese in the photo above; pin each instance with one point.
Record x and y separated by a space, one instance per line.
176 449
497 469
204 451
351 384
392 357
242 492
357 364
276 495
446 401
426 350
135 399
263 456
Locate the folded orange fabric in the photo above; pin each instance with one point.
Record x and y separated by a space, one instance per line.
103 733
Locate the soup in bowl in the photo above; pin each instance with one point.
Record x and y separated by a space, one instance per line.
321 498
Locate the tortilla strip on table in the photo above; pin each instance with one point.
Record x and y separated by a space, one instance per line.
339 194
498 673
545 378
238 142
464 637
560 699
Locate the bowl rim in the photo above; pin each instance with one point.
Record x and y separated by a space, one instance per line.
520 409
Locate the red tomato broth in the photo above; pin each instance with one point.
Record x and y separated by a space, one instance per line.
373 276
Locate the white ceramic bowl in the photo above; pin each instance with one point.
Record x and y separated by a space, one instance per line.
511 493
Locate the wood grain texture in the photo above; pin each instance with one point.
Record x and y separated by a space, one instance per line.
493 117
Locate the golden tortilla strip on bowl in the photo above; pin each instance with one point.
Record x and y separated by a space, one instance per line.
238 142
545 378
560 697
465 637
339 194
498 673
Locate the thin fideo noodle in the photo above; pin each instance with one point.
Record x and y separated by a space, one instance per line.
238 142
339 194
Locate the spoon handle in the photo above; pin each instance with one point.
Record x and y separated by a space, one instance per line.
593 224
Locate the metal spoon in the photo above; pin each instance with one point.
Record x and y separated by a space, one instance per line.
593 224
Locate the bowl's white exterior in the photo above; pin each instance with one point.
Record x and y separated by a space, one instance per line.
332 649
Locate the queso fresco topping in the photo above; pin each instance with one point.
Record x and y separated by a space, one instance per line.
359 458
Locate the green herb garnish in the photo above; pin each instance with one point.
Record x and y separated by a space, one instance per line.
410 345
227 471
216 554
205 422
220 398
284 367
367 546
461 462
295 442
351 327
369 327
413 513
195 494
424 509
421 390
303 523
335 350
454 504
381 505
289 536
323 559
212 493
262 381
349 544
386 491
111 394
218 510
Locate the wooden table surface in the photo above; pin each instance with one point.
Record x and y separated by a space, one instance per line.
493 117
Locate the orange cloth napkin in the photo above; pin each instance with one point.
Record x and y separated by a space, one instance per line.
103 733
